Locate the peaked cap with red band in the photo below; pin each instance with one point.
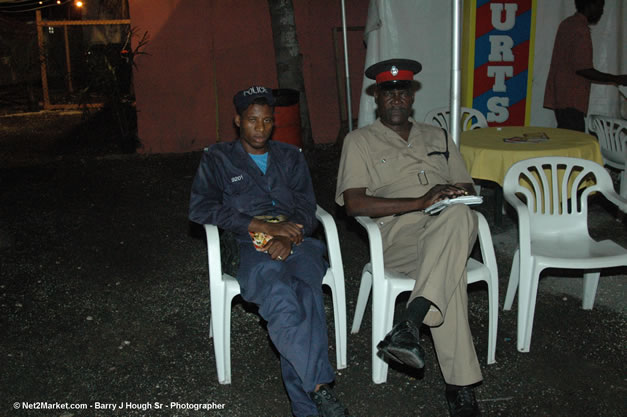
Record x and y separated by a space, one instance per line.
394 71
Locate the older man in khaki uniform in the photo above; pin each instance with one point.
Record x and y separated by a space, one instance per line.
392 170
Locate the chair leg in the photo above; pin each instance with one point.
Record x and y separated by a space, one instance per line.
227 342
493 317
362 299
512 286
221 324
590 283
531 290
382 322
339 315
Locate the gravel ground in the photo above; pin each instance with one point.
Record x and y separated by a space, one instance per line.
104 299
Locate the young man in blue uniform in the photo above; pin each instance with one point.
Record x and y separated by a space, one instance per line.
238 185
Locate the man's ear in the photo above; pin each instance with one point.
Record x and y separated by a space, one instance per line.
237 120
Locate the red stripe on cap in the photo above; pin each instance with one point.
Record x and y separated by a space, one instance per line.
387 76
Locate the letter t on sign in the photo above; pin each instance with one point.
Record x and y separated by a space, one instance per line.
499 73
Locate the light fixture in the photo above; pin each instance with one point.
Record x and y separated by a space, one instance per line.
78 3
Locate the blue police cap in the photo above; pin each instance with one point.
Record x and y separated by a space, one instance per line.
245 98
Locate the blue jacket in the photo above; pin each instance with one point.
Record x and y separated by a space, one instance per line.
229 189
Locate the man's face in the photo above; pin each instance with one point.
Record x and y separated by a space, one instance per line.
594 11
255 126
394 105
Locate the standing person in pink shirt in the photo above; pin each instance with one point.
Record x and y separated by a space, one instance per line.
572 71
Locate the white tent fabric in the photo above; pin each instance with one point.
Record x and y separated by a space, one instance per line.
421 30
411 29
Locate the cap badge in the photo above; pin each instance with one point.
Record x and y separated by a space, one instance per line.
255 90
394 71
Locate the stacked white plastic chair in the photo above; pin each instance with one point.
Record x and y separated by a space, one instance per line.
387 285
469 118
612 134
550 195
223 287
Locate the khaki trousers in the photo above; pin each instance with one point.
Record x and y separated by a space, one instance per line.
433 250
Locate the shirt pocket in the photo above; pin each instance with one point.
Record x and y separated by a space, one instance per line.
237 185
388 168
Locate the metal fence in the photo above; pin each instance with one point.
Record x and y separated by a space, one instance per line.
82 60
63 64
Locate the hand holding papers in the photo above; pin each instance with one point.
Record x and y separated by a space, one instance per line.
442 204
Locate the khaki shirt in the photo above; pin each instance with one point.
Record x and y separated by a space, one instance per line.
378 159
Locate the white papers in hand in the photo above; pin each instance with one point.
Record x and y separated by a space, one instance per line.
442 204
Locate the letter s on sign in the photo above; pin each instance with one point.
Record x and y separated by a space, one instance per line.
498 111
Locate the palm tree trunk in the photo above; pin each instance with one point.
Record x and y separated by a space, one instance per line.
289 61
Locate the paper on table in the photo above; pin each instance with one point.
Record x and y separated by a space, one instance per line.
442 204
536 137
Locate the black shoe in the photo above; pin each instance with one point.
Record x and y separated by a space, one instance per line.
402 344
462 402
327 403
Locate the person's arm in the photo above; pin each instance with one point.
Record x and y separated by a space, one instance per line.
359 204
205 205
288 229
457 169
602 77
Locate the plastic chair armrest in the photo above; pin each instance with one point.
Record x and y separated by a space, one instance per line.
217 285
213 252
376 245
524 223
333 241
486 245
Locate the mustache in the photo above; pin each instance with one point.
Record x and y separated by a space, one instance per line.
401 109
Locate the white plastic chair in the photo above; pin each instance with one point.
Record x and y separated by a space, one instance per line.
386 285
469 118
612 134
553 231
223 287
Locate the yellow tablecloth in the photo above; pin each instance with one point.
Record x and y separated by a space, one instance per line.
488 157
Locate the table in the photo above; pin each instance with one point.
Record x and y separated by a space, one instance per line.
488 157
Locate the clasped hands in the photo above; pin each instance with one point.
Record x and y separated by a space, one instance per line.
284 235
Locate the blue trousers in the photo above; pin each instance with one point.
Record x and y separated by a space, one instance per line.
289 296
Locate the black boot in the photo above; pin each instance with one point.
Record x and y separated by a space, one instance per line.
327 403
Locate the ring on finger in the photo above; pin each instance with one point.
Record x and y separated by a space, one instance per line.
280 258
